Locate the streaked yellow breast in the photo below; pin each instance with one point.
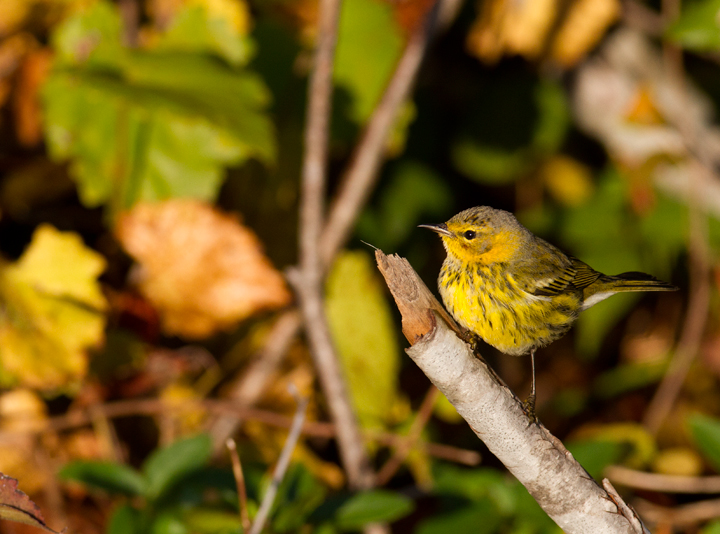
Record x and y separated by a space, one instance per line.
488 301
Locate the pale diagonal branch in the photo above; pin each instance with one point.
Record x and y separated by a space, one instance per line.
529 451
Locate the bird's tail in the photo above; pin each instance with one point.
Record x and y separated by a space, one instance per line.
635 281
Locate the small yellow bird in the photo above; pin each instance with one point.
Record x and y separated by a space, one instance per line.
516 291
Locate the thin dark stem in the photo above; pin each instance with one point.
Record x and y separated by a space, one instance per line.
239 483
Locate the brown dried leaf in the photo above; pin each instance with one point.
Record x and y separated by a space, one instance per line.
202 269
409 14
16 506
12 51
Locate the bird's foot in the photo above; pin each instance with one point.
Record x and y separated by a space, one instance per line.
529 408
473 340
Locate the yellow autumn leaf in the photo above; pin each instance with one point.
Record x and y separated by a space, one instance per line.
583 27
364 334
202 270
678 461
511 27
568 181
51 311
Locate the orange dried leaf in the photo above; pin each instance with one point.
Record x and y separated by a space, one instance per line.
26 102
200 268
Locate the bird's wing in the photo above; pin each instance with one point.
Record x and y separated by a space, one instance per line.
572 277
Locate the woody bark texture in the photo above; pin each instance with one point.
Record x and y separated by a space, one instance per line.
529 451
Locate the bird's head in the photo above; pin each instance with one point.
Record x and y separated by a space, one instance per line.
481 234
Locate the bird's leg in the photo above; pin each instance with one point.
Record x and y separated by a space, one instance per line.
529 403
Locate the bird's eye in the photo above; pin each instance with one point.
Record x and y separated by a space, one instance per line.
469 234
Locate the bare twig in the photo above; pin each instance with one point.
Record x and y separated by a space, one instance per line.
664 483
130 12
530 452
152 407
423 416
240 483
308 279
359 180
624 509
362 173
687 514
281 467
253 382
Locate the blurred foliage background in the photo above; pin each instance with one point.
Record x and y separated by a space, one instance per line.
150 155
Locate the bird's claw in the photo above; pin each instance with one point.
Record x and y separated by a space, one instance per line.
529 408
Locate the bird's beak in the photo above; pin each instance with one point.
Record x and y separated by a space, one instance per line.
441 228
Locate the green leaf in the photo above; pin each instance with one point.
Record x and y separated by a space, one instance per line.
666 230
209 521
153 125
713 527
369 45
372 507
697 28
604 235
705 431
489 165
477 485
629 377
479 518
596 455
125 520
92 36
299 495
364 334
194 29
165 466
554 117
168 522
109 476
